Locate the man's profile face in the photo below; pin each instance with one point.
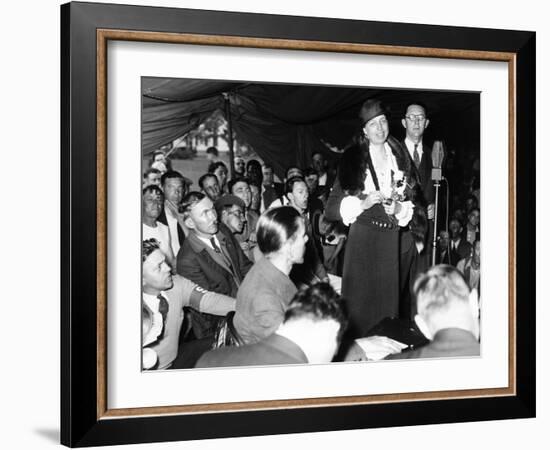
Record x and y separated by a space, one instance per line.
299 195
234 219
211 188
203 218
221 175
152 204
415 122
174 190
156 273
267 173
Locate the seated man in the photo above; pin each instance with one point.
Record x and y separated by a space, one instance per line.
241 188
168 295
471 267
460 248
310 333
151 176
210 186
448 315
210 256
230 210
312 269
152 206
174 186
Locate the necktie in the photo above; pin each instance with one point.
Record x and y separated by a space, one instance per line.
163 307
416 156
215 246
217 249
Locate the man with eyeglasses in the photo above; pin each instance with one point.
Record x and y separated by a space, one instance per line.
210 256
415 260
230 209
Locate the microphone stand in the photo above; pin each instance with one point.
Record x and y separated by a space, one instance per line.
438 153
436 210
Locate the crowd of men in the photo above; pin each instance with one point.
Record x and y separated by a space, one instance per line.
200 244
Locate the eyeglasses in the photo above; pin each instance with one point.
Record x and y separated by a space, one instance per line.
415 117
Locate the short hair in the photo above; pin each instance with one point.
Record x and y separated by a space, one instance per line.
253 163
213 166
421 104
310 171
150 171
190 200
170 175
292 168
275 227
236 180
317 302
212 150
267 166
289 185
440 286
474 209
153 188
204 177
148 246
154 154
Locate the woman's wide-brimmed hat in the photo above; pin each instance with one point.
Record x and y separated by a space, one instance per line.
371 108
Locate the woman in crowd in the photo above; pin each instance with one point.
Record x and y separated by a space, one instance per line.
219 169
374 194
266 291
247 238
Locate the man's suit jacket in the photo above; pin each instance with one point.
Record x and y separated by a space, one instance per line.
424 172
271 193
199 263
274 349
446 343
464 250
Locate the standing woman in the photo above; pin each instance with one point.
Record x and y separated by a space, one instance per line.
375 193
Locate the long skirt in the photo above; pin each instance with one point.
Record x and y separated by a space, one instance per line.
370 281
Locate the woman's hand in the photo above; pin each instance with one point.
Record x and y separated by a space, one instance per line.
372 199
391 207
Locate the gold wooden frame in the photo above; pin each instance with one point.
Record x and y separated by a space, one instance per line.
104 35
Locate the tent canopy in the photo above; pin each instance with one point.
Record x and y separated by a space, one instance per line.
286 123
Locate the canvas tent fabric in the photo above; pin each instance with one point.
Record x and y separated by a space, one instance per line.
285 124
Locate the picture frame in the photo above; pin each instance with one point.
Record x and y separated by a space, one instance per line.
85 30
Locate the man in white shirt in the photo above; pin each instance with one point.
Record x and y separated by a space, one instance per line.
175 186
152 205
168 294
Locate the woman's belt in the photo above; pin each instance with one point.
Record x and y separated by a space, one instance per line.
378 223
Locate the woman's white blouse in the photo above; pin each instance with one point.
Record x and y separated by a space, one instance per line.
350 207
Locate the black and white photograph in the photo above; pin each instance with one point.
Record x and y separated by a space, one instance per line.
308 224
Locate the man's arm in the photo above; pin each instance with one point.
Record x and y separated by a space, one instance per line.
205 301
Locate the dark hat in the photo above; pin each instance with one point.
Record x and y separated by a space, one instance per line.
228 200
371 108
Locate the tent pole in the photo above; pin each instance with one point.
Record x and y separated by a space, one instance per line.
230 127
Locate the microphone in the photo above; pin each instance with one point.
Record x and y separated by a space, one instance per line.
438 154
